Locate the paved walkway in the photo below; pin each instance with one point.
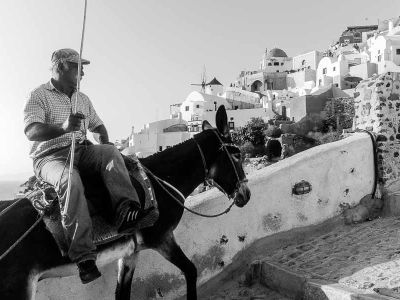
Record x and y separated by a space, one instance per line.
235 291
362 256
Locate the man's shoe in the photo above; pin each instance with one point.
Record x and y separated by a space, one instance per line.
135 219
88 271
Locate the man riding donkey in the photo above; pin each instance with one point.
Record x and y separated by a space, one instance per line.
49 124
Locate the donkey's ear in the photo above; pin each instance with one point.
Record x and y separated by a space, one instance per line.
206 125
221 120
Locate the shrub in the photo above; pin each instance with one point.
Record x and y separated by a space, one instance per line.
339 113
251 150
252 132
273 132
305 125
329 137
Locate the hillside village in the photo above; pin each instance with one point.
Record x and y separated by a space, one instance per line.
281 88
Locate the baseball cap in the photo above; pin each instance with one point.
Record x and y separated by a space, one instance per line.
67 54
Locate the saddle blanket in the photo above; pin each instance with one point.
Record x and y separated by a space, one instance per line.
45 200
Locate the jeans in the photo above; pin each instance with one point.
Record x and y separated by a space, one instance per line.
76 220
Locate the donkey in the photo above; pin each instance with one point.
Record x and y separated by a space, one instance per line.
209 155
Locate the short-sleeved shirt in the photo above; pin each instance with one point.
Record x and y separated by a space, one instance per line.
48 105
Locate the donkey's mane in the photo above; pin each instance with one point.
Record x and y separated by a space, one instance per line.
175 150
169 151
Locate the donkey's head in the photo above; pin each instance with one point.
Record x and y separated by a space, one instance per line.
226 171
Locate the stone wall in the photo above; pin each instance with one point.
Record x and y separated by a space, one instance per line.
377 109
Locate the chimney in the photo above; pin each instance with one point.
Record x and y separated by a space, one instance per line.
390 26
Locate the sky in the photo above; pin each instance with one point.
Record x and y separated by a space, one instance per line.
145 54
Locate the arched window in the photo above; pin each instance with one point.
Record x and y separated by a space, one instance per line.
303 62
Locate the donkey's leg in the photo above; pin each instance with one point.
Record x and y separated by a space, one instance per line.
126 268
173 253
24 288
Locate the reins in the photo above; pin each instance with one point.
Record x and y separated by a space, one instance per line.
4 211
163 183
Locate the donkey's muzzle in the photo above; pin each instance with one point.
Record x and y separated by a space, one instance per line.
242 195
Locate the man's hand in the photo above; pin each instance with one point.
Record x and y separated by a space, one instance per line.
73 123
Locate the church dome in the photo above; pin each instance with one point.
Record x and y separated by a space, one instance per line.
276 52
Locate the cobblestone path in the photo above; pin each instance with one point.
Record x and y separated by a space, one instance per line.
362 256
235 291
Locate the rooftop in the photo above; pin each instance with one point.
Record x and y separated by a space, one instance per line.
276 52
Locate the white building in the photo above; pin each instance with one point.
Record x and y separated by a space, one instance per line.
385 52
331 70
196 104
309 60
275 60
159 135
237 94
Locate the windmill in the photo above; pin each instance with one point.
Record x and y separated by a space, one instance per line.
203 81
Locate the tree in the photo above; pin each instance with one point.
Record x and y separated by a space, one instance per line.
339 113
252 132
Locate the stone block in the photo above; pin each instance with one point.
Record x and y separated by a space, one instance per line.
283 280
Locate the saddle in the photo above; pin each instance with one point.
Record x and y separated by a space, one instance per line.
44 199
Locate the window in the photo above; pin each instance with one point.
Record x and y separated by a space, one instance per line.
337 85
231 118
303 63
269 64
324 71
398 51
276 63
186 108
231 125
160 148
168 147
334 69
379 51
379 58
197 106
281 63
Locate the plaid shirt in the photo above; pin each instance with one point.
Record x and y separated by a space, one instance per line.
48 105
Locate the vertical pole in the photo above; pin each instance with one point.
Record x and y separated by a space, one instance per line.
71 163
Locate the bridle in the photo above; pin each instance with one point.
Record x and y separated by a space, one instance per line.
207 178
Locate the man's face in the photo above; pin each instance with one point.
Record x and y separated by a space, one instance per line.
70 76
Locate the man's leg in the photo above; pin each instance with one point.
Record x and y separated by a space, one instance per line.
107 160
76 220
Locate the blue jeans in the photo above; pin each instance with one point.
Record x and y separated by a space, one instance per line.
76 220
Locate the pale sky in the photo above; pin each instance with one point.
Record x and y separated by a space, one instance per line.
144 54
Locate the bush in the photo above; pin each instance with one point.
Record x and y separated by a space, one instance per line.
329 137
252 132
273 132
339 112
305 125
252 151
